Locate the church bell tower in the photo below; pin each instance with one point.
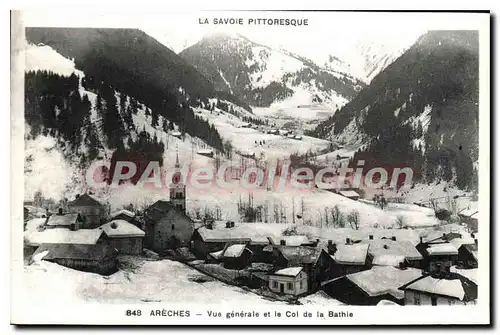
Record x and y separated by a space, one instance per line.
178 188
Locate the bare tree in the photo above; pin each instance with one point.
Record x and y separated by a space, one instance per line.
353 219
400 221
337 217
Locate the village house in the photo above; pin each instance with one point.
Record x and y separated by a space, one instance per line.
291 281
63 236
315 262
392 247
348 258
91 210
442 288
97 258
236 256
167 226
123 236
214 236
371 286
128 216
439 255
209 238
70 221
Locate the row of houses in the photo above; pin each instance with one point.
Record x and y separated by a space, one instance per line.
366 267
300 266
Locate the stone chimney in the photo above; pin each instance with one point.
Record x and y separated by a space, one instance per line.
282 242
370 237
347 240
228 224
332 247
386 246
232 224
472 235
60 211
393 238
209 225
421 239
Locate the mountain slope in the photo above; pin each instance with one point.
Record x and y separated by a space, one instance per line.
262 76
421 111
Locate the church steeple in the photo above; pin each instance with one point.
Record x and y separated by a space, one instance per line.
177 165
178 188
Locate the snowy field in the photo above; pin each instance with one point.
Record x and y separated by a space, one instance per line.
144 281
244 139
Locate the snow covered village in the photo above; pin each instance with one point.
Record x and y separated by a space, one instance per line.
97 97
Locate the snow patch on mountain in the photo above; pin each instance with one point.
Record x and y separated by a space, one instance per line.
272 65
43 57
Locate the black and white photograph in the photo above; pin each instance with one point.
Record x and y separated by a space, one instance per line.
250 167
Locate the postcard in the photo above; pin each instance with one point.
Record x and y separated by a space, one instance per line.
250 167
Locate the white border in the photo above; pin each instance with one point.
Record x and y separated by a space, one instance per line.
23 311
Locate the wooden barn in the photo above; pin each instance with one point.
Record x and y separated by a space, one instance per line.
91 210
123 236
370 287
167 227
291 281
97 258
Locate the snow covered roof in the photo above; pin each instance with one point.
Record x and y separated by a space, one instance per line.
454 285
300 254
381 280
63 235
390 247
442 249
62 220
471 274
234 251
349 194
121 228
291 272
34 224
291 240
122 211
216 254
434 237
76 251
384 302
339 235
246 232
469 213
458 242
205 151
176 133
351 254
388 260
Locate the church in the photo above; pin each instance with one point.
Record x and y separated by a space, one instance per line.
166 223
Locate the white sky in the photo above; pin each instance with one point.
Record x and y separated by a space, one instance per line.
335 33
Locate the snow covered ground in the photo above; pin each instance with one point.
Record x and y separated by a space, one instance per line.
276 146
143 281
